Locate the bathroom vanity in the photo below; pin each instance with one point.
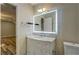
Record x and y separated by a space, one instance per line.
47 24
37 45
46 38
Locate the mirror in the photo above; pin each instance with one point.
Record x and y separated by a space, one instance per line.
45 22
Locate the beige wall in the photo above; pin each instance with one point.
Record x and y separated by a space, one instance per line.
0 28
24 15
69 23
78 24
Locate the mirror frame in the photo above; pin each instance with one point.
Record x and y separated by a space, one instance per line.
56 27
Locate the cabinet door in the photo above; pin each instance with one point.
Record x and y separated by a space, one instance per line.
38 47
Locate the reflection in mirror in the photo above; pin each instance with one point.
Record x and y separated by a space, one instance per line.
47 22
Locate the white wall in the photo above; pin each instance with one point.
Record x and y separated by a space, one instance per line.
24 15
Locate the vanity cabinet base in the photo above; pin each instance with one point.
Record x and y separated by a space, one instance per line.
39 47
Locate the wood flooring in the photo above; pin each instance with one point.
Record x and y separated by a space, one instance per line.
8 46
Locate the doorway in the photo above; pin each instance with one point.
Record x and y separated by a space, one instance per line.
8 29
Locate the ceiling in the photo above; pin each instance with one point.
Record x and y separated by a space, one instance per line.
33 4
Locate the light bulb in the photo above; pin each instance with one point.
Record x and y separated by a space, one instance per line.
44 9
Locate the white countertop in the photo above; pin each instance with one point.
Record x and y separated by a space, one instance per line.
41 38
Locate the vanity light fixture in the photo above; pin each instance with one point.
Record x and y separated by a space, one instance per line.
41 10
